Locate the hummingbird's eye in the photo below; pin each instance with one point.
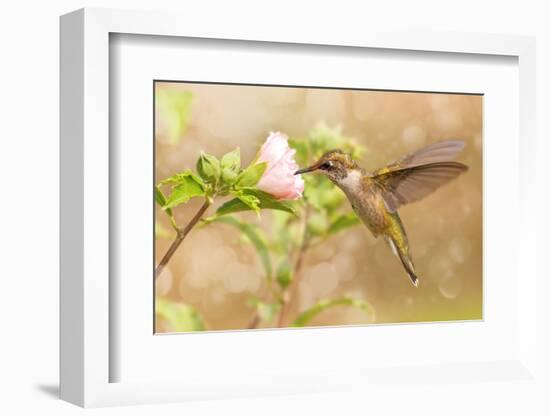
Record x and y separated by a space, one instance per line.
327 165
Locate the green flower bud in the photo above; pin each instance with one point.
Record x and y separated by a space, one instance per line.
231 165
208 168
284 274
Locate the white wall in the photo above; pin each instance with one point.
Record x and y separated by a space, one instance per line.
29 171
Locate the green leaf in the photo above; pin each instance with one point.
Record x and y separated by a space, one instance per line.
314 187
251 175
265 201
305 317
180 316
342 222
323 138
250 201
280 232
180 177
302 150
186 189
174 107
331 198
208 167
253 235
284 273
317 223
322 194
159 197
161 200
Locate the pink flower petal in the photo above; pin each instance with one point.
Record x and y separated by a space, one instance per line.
279 179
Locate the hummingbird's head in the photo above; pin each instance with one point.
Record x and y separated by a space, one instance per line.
335 164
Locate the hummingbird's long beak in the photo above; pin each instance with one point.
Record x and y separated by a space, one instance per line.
306 170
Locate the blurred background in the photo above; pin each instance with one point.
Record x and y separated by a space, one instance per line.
217 273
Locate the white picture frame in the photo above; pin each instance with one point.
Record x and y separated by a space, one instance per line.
86 356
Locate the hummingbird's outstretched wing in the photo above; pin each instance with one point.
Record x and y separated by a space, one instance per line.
418 174
443 151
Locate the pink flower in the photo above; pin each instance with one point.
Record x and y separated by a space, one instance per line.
279 179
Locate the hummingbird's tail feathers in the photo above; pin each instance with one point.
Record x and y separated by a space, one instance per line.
405 260
414 279
409 268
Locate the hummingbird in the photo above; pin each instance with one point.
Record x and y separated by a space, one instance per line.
376 196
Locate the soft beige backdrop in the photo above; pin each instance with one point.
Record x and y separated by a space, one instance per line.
217 273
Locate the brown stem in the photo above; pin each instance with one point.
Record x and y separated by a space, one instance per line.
181 234
266 295
255 321
292 292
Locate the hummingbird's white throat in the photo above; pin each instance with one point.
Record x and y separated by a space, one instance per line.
352 181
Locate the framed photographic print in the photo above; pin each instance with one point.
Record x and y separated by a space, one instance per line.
263 214
282 249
